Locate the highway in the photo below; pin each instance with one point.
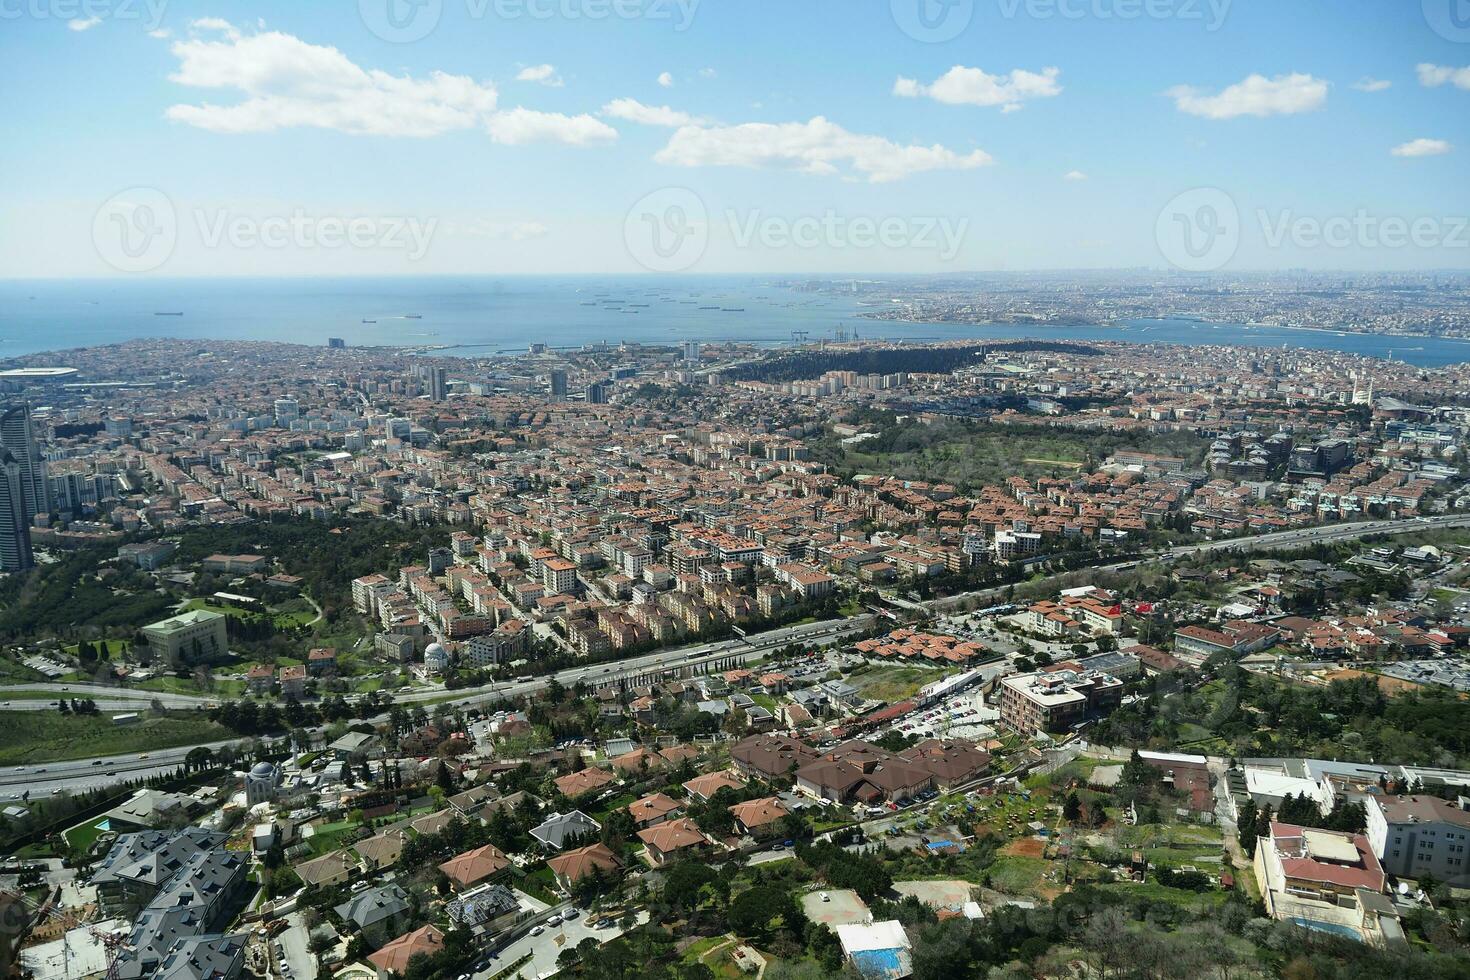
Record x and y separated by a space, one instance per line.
83 774
1274 541
44 779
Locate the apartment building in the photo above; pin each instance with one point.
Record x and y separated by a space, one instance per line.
1056 700
1414 836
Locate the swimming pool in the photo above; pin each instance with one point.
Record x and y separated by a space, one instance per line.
1335 928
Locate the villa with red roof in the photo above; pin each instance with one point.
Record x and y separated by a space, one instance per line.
1325 876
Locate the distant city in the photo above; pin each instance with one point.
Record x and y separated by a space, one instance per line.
1409 304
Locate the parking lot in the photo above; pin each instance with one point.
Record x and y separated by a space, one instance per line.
842 908
546 946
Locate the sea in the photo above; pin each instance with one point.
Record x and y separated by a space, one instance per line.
482 316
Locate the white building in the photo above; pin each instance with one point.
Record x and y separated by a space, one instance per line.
1414 836
261 783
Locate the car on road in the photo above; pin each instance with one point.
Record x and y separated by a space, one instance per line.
571 914
537 930
555 920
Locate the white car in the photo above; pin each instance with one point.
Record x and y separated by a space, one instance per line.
538 930
826 897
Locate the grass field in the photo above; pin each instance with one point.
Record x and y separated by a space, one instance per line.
538 883
329 836
893 683
114 647
1018 875
15 672
83 834
43 736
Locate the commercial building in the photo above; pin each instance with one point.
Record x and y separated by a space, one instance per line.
1056 700
15 526
191 637
18 438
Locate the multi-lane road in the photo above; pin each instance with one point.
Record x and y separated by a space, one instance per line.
1274 541
46 778
85 774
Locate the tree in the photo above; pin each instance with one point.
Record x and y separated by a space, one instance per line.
759 911
1246 827
683 882
1072 807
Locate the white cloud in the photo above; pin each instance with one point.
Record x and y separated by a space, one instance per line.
520 126
973 86
1257 95
818 146
543 74
1074 175
287 82
648 115
79 25
1421 148
516 231
161 33
1433 76
665 79
215 24
1370 84
707 73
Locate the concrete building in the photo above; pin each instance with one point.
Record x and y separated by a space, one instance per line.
191 637
1056 700
1326 879
178 889
15 526
18 437
261 783
1414 836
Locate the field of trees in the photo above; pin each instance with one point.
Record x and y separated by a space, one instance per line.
969 454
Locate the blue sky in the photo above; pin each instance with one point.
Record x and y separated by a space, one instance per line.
549 135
